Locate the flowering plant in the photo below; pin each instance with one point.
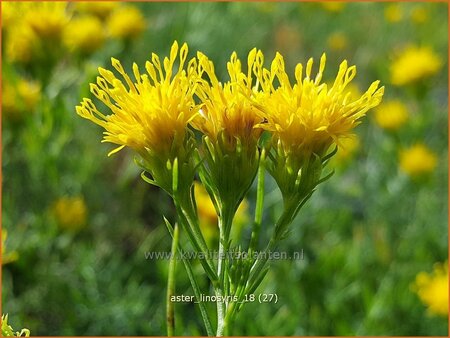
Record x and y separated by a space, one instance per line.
255 122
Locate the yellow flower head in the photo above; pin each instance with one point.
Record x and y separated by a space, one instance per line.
100 9
226 110
126 22
432 289
84 34
417 160
149 115
391 115
414 64
309 116
393 12
70 213
19 98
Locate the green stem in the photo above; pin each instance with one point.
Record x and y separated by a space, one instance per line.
195 287
225 222
259 205
260 263
186 213
219 291
188 225
170 317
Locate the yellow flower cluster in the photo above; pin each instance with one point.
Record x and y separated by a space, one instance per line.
417 160
121 21
35 29
432 289
32 25
396 12
391 115
413 65
153 113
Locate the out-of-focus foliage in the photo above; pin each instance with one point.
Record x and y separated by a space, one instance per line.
79 223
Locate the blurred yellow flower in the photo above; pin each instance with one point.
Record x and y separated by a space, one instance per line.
207 213
419 15
337 41
19 98
309 117
150 115
84 34
333 6
7 257
70 213
432 289
265 7
22 44
31 26
226 110
393 12
348 146
205 208
391 115
417 160
414 64
47 19
9 14
126 22
101 9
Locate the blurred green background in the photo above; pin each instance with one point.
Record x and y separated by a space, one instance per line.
79 223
